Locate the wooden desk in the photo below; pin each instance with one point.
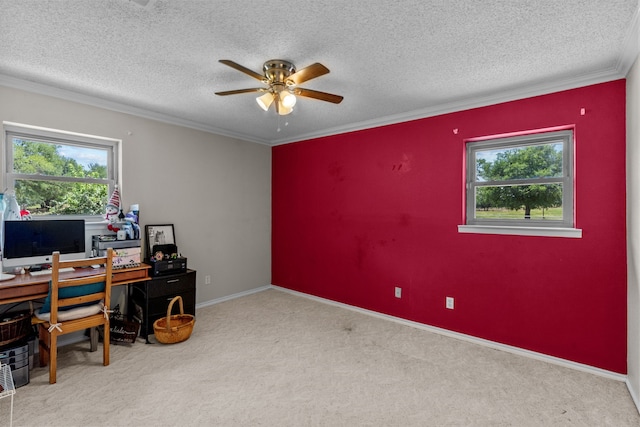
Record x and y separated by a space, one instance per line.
25 287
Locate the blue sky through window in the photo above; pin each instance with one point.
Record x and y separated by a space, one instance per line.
83 155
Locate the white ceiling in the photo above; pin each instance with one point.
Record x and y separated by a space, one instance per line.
391 60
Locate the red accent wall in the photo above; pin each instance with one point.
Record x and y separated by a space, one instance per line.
355 215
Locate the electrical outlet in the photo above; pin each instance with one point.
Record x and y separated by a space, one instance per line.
398 292
449 303
207 280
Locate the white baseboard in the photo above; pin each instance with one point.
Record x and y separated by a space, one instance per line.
511 349
633 394
230 297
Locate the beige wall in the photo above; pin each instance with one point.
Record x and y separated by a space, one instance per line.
215 190
633 232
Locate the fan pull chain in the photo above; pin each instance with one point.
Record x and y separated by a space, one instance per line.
285 123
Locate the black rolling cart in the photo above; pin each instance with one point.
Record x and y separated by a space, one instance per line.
148 301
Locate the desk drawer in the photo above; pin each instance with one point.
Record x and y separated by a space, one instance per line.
158 306
171 285
127 274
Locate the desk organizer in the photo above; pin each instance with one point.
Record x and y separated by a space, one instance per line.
17 359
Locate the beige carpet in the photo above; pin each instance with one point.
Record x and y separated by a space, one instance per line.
276 359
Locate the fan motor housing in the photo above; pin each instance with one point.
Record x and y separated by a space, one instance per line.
277 70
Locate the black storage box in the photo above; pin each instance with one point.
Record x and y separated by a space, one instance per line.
168 266
170 263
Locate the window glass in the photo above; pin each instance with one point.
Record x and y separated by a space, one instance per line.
46 158
524 180
510 202
61 174
532 161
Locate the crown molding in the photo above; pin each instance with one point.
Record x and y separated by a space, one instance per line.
68 95
469 103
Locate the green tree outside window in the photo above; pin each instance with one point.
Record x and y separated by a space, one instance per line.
539 161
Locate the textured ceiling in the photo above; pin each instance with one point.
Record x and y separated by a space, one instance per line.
391 60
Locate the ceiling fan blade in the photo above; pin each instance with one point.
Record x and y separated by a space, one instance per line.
322 96
243 69
308 73
237 91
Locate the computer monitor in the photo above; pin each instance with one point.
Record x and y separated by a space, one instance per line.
33 242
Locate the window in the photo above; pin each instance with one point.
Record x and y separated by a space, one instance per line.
59 173
523 181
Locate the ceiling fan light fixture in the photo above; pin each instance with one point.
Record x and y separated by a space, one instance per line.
287 99
264 101
282 110
283 82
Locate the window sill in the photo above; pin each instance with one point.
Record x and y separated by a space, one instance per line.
575 233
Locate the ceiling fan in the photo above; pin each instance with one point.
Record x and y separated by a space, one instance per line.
282 82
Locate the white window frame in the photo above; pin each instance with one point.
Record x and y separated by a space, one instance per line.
528 227
112 146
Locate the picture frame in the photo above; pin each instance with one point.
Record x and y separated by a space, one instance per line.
159 235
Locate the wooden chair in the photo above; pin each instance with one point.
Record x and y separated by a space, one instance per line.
76 303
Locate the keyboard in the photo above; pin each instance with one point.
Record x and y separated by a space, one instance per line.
47 271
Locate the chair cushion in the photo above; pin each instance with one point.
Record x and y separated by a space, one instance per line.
73 313
71 292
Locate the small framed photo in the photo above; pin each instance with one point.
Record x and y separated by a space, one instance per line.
160 236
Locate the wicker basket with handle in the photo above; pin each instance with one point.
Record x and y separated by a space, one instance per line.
174 328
